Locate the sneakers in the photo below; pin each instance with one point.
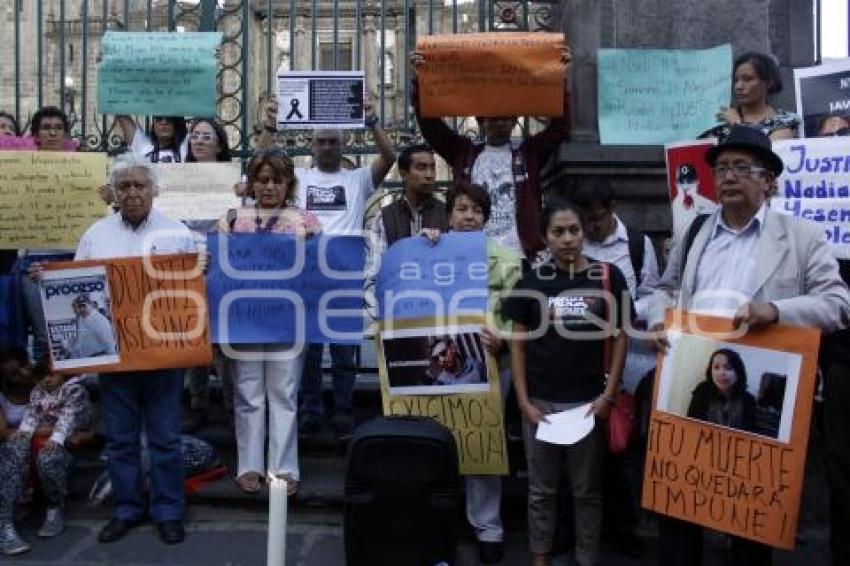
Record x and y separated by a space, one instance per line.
11 542
54 523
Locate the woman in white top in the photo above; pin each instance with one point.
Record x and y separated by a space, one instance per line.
167 140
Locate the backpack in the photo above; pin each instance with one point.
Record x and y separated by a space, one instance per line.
690 236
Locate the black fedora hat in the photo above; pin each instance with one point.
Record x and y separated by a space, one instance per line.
750 140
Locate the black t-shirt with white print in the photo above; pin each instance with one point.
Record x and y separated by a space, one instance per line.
566 363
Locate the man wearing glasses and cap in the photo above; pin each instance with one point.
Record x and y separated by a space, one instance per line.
689 203
751 264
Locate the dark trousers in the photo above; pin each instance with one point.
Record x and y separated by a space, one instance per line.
344 371
680 544
837 425
622 491
131 402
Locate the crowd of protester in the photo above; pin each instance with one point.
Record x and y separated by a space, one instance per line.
554 246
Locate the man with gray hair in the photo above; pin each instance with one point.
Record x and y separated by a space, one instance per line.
149 400
337 196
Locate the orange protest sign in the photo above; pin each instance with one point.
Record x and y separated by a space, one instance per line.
491 74
729 428
126 314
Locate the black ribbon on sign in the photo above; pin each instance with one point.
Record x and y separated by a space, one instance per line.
294 110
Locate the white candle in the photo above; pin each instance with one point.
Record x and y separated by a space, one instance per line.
276 551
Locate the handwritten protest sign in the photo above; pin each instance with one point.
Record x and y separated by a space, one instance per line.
744 478
470 403
320 99
822 91
815 185
48 199
491 74
197 191
418 279
690 182
155 307
657 96
276 289
154 72
12 142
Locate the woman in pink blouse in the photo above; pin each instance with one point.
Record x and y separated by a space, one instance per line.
271 378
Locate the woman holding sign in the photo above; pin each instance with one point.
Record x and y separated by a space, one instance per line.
272 381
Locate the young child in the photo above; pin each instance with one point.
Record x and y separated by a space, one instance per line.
59 406
562 366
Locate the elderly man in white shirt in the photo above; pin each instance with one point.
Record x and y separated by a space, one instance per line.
754 265
149 400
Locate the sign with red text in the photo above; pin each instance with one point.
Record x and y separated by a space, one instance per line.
126 314
729 427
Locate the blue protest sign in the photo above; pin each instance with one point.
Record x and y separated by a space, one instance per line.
276 289
418 279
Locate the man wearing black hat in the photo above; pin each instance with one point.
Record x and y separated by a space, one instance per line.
753 265
689 203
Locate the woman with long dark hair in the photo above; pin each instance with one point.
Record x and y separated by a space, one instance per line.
165 142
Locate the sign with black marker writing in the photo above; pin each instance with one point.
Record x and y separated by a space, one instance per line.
823 97
729 427
320 99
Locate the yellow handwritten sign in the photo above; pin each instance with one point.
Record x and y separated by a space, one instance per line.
48 199
474 415
491 74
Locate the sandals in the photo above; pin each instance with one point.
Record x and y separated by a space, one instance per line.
291 484
250 482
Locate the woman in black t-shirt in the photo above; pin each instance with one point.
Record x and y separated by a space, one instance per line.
567 320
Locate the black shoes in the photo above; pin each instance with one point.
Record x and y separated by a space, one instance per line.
171 532
491 552
116 529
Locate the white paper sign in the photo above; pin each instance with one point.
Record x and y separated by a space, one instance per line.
197 191
566 427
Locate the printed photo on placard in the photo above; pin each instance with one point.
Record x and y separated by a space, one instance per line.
435 361
690 182
823 99
80 323
741 387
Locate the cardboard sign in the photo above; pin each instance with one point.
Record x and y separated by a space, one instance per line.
418 279
815 185
155 307
745 477
276 289
491 74
316 99
658 96
822 91
690 182
443 372
13 142
197 191
48 199
152 73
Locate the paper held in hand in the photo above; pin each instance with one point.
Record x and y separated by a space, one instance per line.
566 427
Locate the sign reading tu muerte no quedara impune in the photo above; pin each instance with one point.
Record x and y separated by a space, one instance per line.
658 96
148 73
276 289
815 185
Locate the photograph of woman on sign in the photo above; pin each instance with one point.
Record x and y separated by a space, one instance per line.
722 398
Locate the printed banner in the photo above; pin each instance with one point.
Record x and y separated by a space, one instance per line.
823 92
658 96
418 279
197 191
320 99
153 72
737 465
48 199
690 182
126 314
491 74
12 142
815 185
444 372
276 289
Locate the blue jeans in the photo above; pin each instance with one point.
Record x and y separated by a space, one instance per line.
344 371
131 402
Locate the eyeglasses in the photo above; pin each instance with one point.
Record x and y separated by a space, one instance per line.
52 128
741 171
201 137
839 132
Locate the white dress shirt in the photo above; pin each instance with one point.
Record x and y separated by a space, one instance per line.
112 237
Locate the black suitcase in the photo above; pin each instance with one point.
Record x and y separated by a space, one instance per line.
401 493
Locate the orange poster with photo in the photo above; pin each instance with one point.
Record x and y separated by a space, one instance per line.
729 427
126 314
491 74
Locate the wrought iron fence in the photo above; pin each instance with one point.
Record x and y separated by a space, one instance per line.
56 46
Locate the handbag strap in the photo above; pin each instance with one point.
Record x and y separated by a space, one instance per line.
606 345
